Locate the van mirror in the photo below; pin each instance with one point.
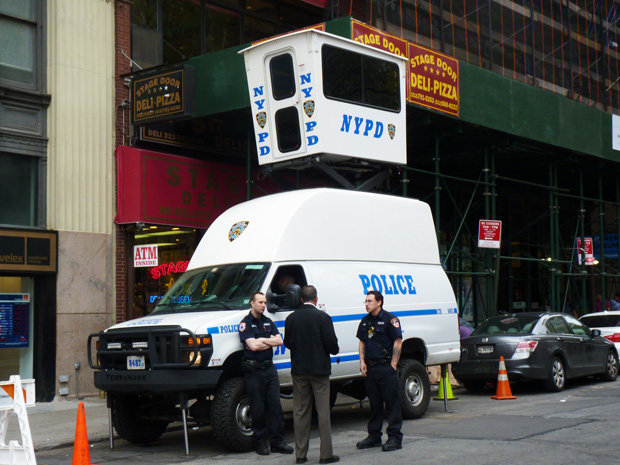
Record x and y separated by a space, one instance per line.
289 301
293 296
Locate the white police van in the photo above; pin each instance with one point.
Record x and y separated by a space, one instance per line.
343 242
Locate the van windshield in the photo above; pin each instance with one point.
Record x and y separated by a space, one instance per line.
222 287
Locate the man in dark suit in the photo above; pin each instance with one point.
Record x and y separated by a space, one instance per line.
309 335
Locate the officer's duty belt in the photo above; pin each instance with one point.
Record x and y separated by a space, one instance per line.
375 362
251 365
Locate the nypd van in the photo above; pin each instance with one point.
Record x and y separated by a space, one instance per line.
187 351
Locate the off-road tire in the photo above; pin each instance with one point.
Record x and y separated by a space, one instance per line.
556 377
130 422
230 416
414 389
611 366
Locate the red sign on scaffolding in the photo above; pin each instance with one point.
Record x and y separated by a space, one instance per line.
588 248
489 234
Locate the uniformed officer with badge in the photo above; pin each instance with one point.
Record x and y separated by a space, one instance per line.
380 345
259 336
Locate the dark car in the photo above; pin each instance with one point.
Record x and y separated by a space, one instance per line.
551 347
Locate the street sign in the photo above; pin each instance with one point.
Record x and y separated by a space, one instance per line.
489 234
587 248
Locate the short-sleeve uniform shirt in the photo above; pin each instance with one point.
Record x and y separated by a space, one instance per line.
378 334
256 328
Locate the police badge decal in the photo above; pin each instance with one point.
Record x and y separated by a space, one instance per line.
236 230
391 130
261 119
309 108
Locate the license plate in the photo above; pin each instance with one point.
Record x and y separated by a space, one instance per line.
485 349
135 362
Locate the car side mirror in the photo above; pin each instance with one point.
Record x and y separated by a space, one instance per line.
596 332
293 296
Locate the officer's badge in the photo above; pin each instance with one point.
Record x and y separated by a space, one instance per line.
261 119
395 322
237 229
241 327
309 108
391 130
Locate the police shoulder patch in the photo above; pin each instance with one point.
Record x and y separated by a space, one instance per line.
395 323
242 327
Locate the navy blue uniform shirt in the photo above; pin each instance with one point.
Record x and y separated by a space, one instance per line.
256 328
378 334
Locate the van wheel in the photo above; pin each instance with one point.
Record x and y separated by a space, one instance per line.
131 421
230 416
414 389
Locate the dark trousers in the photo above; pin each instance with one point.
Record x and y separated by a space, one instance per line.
382 391
263 388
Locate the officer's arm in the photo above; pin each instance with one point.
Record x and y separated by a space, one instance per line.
274 340
398 344
256 344
362 350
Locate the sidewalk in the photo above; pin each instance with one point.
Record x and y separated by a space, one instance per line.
52 424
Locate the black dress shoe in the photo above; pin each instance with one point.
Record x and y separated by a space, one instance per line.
368 443
301 460
262 449
391 445
282 448
332 459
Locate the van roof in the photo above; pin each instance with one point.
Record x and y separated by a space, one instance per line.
321 224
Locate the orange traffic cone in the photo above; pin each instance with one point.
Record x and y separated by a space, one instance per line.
503 386
81 451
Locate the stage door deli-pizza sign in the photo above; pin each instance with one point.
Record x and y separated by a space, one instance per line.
433 78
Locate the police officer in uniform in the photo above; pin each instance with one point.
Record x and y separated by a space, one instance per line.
380 345
259 336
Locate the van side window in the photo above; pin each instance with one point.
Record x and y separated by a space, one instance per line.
285 275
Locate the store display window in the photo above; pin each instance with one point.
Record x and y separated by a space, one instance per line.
160 256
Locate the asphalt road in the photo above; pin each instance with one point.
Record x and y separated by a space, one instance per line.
576 426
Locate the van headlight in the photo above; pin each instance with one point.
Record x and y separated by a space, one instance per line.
204 343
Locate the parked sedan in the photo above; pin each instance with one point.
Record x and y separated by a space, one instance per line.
608 323
551 347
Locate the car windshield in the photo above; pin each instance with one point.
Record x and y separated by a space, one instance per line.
600 321
222 287
509 324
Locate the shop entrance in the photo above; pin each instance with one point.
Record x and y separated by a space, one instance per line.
16 327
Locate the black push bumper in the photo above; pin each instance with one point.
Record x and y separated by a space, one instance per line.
160 381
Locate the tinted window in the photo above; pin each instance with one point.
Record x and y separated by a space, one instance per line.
514 324
578 328
557 325
601 321
282 76
287 129
360 79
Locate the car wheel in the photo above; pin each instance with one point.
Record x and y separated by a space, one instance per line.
474 385
611 366
556 379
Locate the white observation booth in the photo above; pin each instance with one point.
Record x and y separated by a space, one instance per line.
315 93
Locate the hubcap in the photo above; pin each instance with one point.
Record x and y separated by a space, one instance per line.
612 366
243 417
558 373
414 390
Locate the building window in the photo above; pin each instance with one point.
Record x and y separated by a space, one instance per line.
18 30
167 31
18 190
